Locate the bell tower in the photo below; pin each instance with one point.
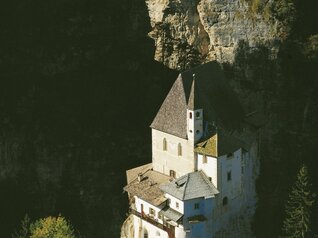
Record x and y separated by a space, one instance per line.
194 115
194 124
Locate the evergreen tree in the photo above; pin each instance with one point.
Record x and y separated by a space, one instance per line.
298 208
24 230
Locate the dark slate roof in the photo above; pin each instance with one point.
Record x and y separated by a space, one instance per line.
190 186
203 87
171 117
171 213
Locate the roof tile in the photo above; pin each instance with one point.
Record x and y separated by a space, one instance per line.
190 186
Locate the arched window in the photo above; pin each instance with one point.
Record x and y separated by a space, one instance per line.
225 201
164 144
172 173
179 149
197 114
145 233
190 115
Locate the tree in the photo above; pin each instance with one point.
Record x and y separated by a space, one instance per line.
298 207
51 227
24 230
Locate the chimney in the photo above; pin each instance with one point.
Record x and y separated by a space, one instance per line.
139 177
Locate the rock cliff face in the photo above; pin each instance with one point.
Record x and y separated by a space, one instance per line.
190 32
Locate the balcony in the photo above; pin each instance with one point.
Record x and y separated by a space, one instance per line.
166 227
196 219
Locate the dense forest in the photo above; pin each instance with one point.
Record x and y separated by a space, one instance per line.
78 90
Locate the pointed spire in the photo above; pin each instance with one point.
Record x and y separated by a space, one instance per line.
192 99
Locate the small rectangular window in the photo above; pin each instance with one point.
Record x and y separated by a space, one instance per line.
204 159
164 144
179 149
229 176
229 155
197 206
152 211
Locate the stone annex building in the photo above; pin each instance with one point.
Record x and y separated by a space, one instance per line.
199 176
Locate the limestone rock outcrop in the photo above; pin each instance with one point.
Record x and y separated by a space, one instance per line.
187 33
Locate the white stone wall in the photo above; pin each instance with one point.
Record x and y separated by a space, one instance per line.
209 168
230 188
218 169
180 233
232 220
141 226
173 202
146 207
164 161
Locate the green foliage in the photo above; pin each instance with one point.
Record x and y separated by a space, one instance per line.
267 12
51 227
311 47
285 12
256 5
284 9
24 230
299 207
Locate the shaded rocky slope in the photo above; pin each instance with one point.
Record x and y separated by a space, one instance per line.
78 90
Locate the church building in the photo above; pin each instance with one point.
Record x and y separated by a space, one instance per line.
196 180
